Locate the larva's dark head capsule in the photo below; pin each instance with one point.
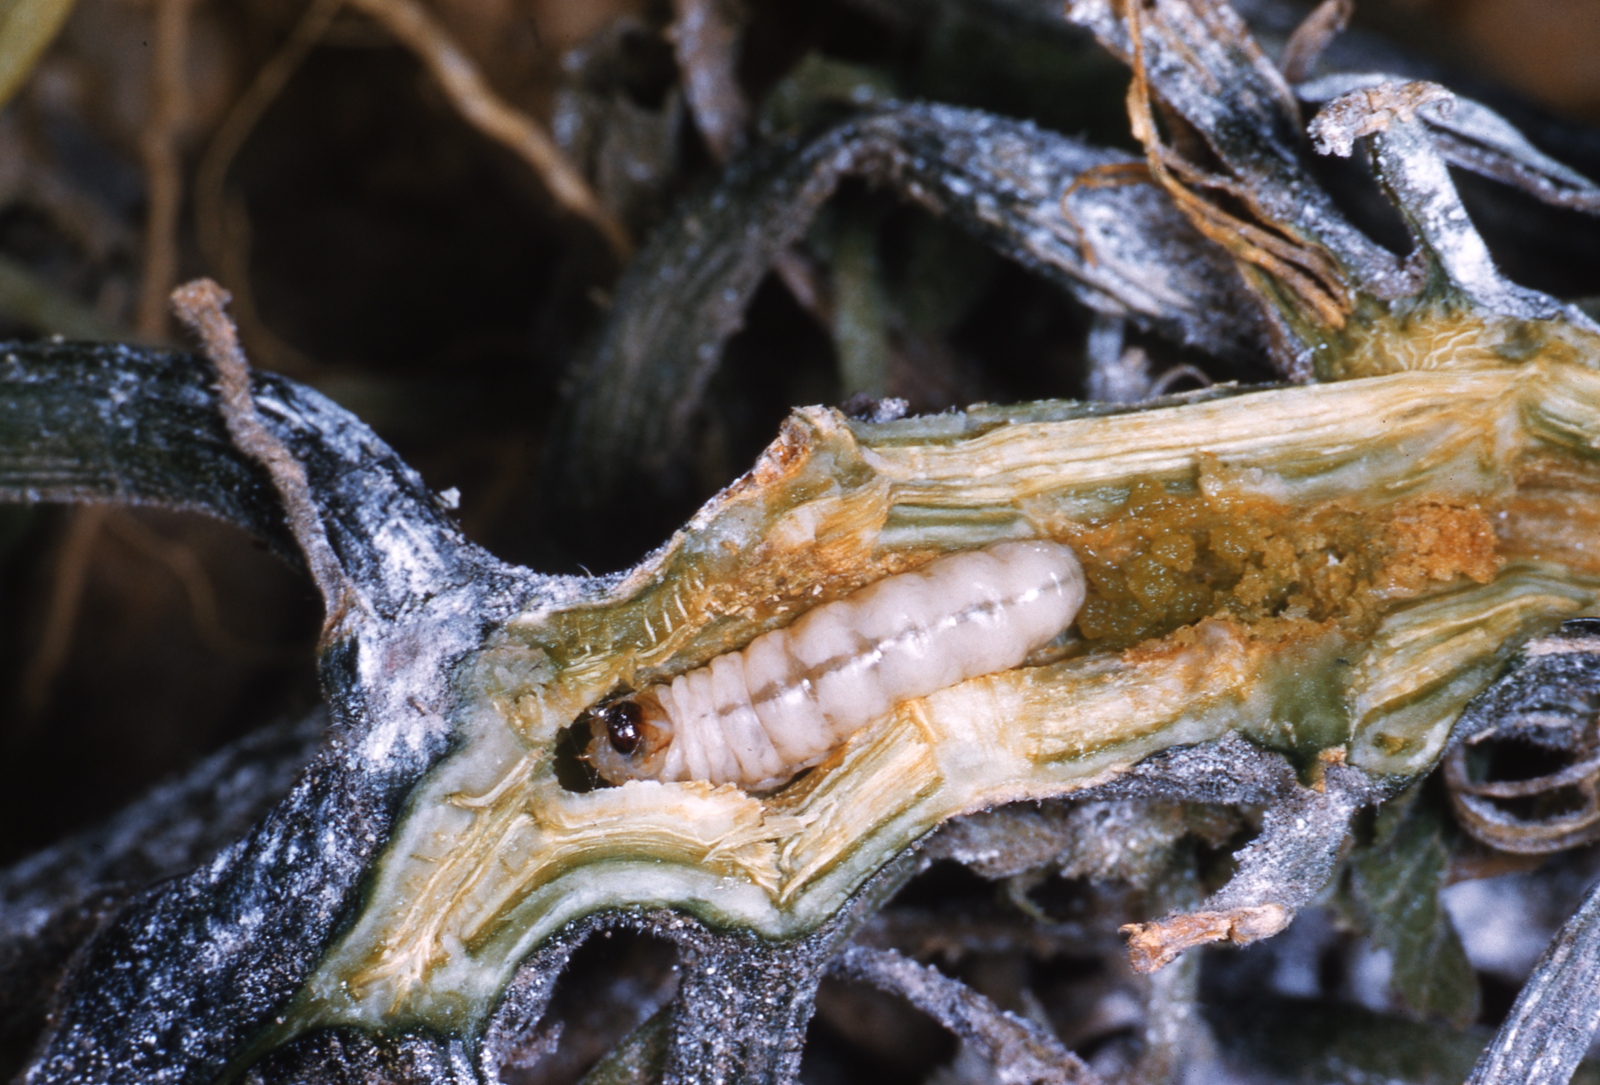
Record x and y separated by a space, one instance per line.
628 738
622 722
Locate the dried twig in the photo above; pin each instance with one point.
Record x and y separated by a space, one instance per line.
243 118
182 562
233 266
1312 36
1020 1050
66 596
1309 273
1153 946
1105 175
158 145
1168 378
705 38
218 232
1280 872
199 305
492 115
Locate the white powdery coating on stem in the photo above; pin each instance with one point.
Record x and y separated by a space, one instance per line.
1415 172
756 717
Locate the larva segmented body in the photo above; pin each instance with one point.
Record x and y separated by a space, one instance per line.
757 716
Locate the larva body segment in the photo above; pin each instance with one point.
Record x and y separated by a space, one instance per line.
756 717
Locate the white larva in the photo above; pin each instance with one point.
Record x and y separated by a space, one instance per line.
756 717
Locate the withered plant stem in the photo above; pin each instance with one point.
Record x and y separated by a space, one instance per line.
199 305
492 115
158 146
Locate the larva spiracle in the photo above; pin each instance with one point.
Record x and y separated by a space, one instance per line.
757 716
